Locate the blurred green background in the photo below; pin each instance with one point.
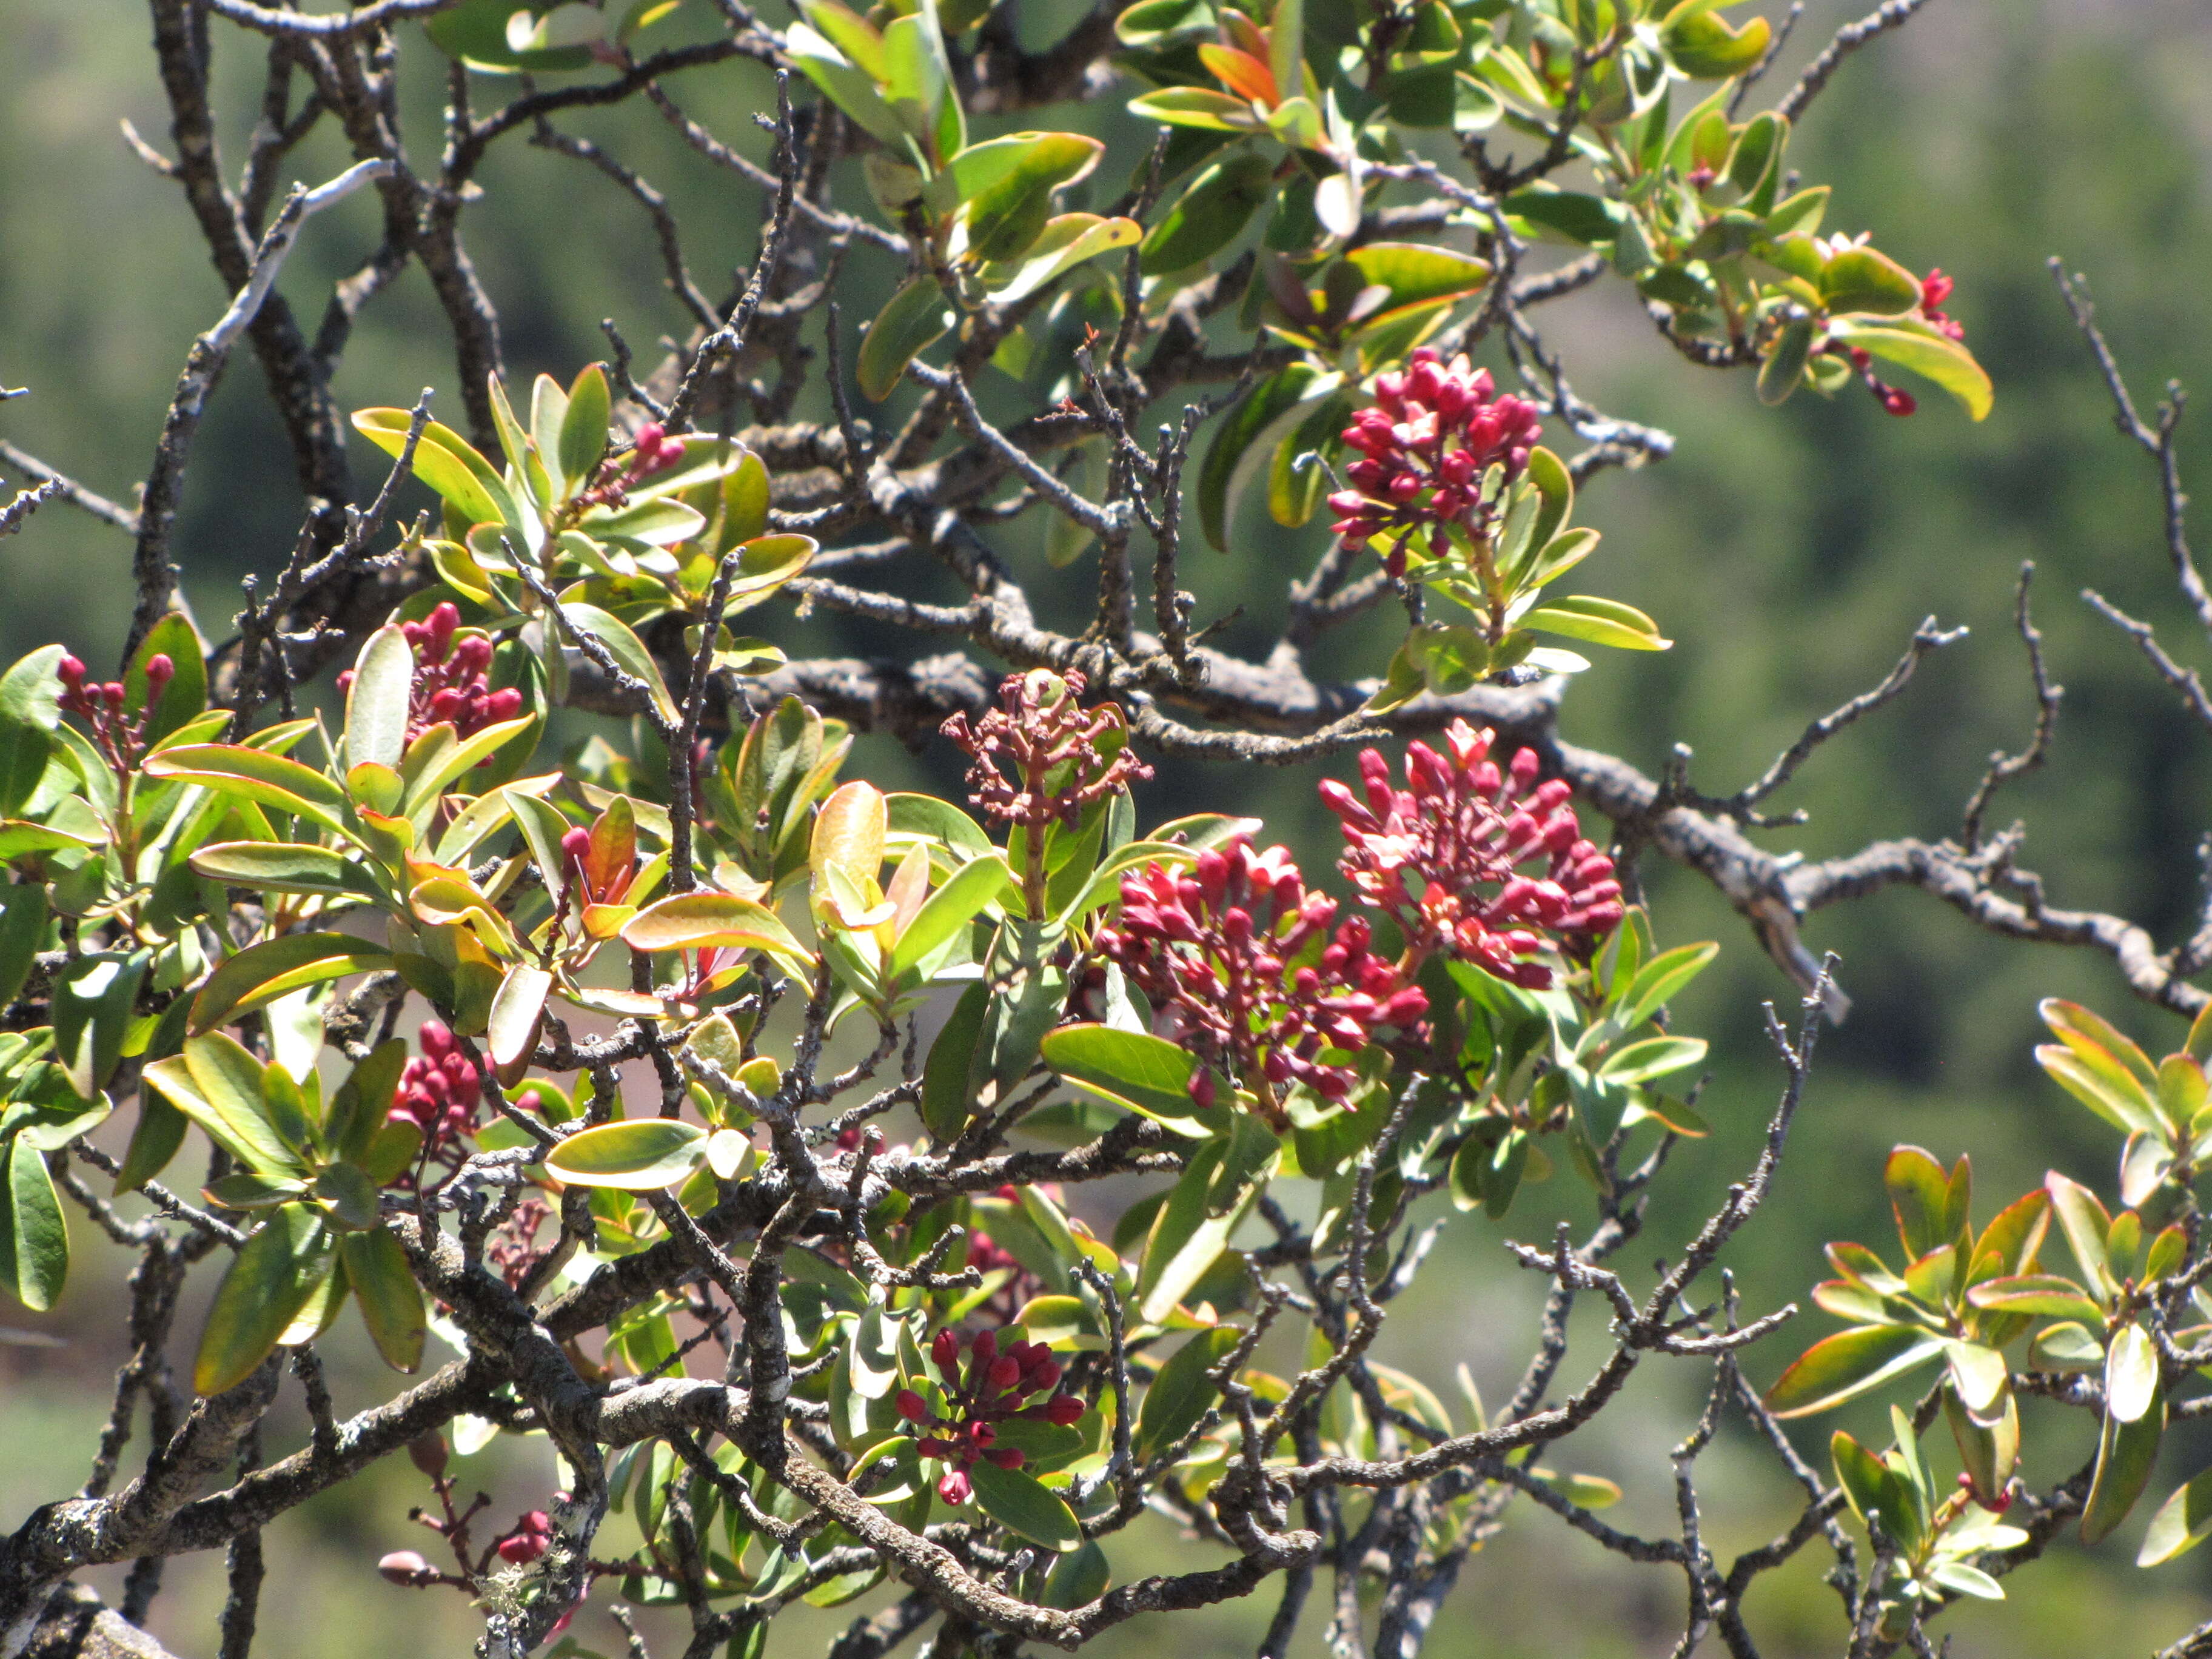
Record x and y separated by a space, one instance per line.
1789 553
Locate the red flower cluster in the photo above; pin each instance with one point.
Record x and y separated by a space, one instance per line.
1047 744
992 1387
119 740
449 679
438 1093
653 451
1242 969
1441 856
1432 434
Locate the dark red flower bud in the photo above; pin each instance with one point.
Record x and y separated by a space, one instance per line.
1006 1458
912 1407
160 670
1064 1410
521 1548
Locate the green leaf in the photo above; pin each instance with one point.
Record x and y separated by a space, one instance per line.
222 1088
2035 1293
1964 1580
2067 1347
1181 1392
390 1301
2091 1034
1568 214
1136 1070
347 1193
909 321
1662 979
30 709
1024 1505
1197 106
35 1242
946 911
1599 621
2127 1451
1653 1057
583 438
1876 1490
2085 1223
640 1155
262 973
93 1000
627 649
1784 367
1065 243
1417 274
2131 1380
281 867
270 1280
947 1102
1919 1196
1980 1377
23 916
1925 352
1274 400
1204 1208
1007 185
1209 215
1867 280
2183 1521
511 1032
1706 48
2101 1085
377 702
446 462
253 775
690 921
1077 1579
154 1141
849 88
184 696
1848 1364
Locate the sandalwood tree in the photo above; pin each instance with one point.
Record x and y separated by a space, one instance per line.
877 1198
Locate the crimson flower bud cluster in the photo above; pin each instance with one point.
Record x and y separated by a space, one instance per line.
439 1093
1242 968
1036 754
1935 289
994 1386
121 740
449 686
1443 856
653 452
1433 433
532 1537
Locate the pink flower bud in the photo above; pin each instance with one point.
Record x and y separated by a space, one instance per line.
160 670
403 1566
